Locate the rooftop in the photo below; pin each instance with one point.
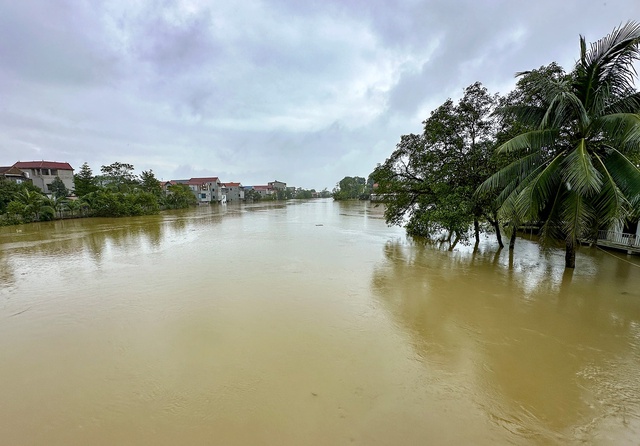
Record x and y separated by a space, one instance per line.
42 165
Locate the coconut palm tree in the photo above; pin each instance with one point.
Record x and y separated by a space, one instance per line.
573 172
32 203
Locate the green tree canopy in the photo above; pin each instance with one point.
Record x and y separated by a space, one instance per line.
429 180
118 176
573 171
84 182
149 183
58 188
350 188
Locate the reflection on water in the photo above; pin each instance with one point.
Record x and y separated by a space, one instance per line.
545 352
308 323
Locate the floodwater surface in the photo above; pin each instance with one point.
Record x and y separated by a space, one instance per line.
308 323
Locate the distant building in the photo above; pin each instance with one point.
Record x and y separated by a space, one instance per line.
205 189
42 173
11 173
233 191
278 185
264 191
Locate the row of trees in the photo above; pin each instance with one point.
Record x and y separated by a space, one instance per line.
286 194
560 151
353 188
116 192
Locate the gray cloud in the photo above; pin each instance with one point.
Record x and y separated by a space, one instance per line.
305 92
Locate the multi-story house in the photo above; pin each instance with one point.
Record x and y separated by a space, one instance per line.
11 173
278 185
206 190
264 191
42 173
233 191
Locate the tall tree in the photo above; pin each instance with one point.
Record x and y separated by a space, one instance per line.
118 176
430 179
84 182
351 188
573 171
149 183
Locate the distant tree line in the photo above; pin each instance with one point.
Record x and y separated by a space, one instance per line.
116 192
286 194
353 188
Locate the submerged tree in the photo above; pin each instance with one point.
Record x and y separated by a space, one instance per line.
573 172
429 180
351 188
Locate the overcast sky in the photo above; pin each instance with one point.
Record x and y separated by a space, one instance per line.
304 92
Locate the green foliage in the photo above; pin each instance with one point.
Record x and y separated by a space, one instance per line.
252 195
116 193
579 137
8 191
429 180
149 183
58 189
304 194
31 203
84 181
352 188
109 203
179 196
324 193
118 177
15 208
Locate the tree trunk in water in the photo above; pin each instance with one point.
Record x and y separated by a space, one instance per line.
476 230
496 225
570 255
512 240
455 242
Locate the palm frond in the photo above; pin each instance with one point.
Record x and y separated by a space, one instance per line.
609 61
610 204
624 173
627 103
526 114
536 189
518 169
620 129
579 173
576 215
534 140
564 107
551 229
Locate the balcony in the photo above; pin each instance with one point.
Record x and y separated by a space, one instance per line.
619 240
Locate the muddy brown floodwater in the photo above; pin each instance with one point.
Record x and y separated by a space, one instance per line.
308 323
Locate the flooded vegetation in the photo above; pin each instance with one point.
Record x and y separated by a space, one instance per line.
308 323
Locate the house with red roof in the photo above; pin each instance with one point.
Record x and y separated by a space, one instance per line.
42 173
205 189
233 191
13 174
264 190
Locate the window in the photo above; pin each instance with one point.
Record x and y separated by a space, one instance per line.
203 196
